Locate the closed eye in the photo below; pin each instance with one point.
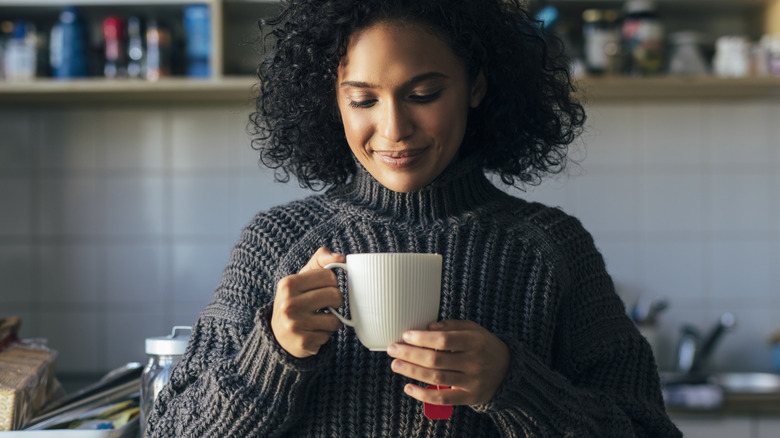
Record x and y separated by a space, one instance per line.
362 103
425 98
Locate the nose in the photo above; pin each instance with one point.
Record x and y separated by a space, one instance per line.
395 124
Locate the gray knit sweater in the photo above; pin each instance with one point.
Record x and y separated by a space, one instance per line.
528 273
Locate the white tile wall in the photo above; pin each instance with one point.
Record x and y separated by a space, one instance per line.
116 222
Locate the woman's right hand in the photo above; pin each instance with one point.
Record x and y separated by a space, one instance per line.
298 325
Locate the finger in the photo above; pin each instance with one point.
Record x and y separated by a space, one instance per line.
318 299
426 357
453 325
296 284
447 397
440 340
429 375
322 257
318 322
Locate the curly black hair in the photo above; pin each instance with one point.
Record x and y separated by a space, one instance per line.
520 131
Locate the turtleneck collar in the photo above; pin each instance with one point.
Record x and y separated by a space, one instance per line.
462 187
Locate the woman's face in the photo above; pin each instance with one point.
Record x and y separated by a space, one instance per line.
404 98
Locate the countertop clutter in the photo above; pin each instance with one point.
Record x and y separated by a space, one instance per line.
33 404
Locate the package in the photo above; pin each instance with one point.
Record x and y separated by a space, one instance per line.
27 381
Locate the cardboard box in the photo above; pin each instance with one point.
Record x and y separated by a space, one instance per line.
27 381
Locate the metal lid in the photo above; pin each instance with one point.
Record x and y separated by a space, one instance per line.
637 6
171 345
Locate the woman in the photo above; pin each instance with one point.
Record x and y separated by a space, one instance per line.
399 107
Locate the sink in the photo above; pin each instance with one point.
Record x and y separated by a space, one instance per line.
734 390
748 383
732 382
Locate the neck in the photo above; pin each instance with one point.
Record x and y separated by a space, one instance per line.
462 187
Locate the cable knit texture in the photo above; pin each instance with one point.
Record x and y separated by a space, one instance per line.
528 273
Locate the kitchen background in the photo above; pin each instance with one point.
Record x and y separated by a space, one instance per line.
118 216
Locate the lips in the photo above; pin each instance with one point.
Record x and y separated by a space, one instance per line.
402 158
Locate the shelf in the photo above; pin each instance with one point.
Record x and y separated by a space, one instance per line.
239 89
119 92
677 88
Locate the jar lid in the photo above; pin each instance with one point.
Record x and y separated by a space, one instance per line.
596 15
637 6
171 345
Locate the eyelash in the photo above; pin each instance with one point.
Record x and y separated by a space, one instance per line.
419 99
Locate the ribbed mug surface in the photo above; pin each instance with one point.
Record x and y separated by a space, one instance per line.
390 293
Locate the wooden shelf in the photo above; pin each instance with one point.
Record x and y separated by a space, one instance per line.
677 88
97 90
239 89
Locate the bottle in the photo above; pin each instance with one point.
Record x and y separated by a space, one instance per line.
164 353
686 57
642 33
135 49
601 40
158 47
20 55
68 46
197 27
114 38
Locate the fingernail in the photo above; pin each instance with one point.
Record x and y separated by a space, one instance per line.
407 336
392 349
435 325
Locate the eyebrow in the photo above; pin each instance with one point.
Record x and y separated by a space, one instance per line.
414 80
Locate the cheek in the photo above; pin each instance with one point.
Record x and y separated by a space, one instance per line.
446 124
357 128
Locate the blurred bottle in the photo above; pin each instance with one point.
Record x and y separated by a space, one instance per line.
197 28
770 44
20 53
601 41
158 51
114 40
643 38
135 49
732 57
68 46
686 58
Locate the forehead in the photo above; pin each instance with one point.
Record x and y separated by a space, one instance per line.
390 48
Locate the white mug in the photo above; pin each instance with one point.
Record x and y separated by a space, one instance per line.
390 293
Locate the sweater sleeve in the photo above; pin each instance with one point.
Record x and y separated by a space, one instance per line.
603 380
234 378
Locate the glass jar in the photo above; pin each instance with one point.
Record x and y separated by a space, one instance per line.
686 58
601 41
643 36
164 353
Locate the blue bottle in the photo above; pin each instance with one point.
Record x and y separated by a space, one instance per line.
68 46
197 27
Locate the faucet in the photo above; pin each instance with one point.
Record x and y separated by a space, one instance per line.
693 350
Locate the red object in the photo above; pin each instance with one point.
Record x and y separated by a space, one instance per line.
113 33
437 412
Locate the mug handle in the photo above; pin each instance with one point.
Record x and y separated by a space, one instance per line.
343 320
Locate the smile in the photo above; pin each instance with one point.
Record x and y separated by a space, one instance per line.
401 159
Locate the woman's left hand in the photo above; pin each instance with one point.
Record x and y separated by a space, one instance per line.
459 354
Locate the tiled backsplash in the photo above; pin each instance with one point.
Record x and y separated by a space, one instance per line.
115 222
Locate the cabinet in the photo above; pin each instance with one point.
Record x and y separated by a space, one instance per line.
234 52
708 18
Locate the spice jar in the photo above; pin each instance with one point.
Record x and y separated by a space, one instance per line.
164 353
601 41
643 35
686 58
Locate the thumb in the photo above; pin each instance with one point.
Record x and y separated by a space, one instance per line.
321 258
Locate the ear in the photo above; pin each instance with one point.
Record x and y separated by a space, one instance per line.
478 90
